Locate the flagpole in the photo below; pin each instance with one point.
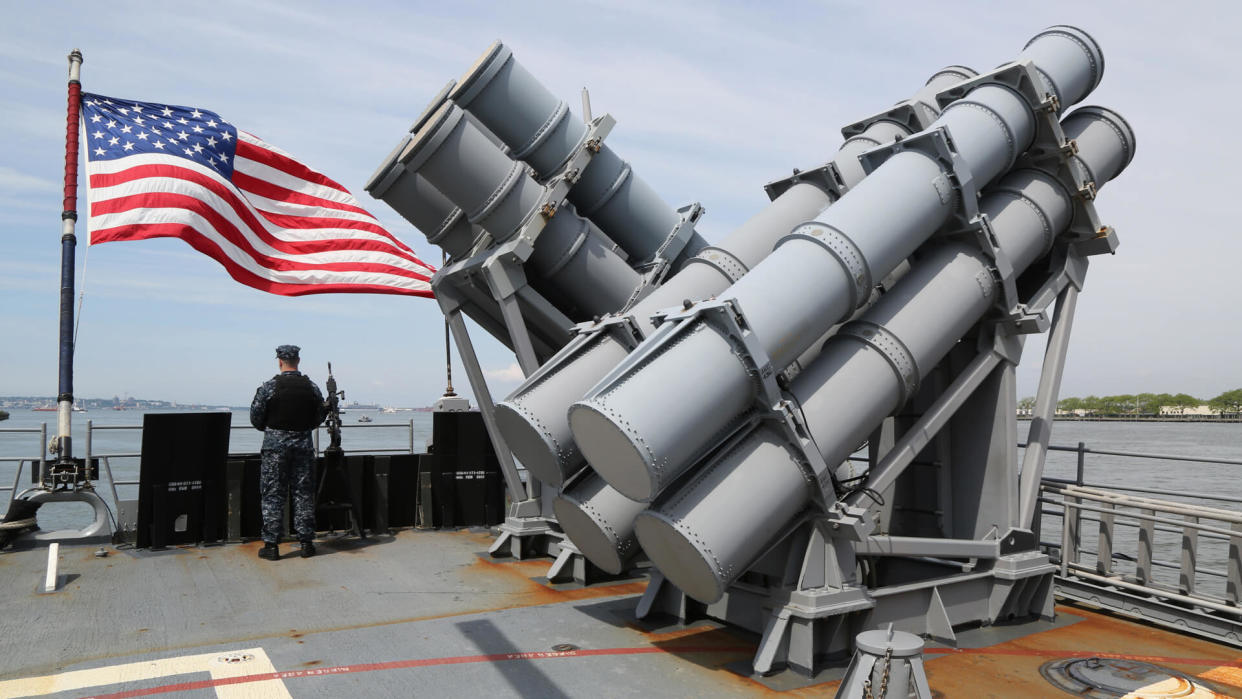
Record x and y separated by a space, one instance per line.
68 242
448 357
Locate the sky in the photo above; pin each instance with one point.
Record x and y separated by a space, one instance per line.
712 100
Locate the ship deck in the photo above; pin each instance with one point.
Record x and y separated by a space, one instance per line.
422 613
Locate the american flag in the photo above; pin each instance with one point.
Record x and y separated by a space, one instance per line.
162 171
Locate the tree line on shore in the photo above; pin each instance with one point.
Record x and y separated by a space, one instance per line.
1143 403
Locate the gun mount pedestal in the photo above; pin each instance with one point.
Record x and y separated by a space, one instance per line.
335 479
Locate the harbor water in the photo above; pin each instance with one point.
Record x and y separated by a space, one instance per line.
1205 484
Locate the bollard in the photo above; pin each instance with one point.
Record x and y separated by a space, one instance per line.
886 664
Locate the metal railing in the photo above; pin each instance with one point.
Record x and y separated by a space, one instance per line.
1184 593
38 457
1096 522
21 461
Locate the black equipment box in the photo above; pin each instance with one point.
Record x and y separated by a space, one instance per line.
182 497
193 490
402 487
244 517
465 480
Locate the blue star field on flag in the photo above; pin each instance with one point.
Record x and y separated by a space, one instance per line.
116 128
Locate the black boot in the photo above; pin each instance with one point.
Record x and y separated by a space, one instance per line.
270 551
308 549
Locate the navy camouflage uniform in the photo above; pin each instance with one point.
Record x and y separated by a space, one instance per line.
287 466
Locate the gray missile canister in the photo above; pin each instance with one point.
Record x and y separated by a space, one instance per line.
702 537
420 203
534 418
817 276
601 521
541 131
572 261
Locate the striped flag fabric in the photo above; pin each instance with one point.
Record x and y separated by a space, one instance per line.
162 171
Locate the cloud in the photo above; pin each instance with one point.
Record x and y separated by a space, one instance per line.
13 180
510 374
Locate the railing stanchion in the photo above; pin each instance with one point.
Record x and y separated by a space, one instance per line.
42 453
1072 525
1065 535
1104 545
1146 538
116 499
17 481
1082 461
1190 557
1233 581
1037 524
411 435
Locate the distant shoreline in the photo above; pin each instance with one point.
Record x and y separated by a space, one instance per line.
1142 418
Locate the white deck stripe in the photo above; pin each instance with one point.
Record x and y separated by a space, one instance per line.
211 663
53 558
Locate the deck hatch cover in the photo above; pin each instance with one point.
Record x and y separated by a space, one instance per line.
1117 677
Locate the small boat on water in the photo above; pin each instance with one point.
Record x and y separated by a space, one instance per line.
365 418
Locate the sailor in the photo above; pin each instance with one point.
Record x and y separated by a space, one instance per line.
287 407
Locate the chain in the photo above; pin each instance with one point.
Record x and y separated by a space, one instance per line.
888 662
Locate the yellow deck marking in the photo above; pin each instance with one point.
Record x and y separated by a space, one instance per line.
213 663
1173 687
1225 675
260 664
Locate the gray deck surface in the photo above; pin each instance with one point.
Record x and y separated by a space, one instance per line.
429 614
407 615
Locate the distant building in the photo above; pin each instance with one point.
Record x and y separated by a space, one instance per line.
1202 409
